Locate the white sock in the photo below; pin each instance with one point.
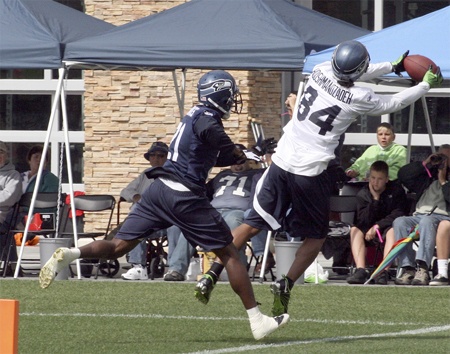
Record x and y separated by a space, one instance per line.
75 253
254 313
443 267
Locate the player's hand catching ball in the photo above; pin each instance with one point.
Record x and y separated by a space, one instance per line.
434 80
397 66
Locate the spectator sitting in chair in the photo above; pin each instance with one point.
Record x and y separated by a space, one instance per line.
230 193
49 183
378 204
442 254
386 150
429 180
179 255
137 257
10 192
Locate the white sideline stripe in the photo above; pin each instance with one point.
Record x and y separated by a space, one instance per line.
324 340
203 318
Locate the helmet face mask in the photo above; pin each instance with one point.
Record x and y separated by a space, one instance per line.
217 89
350 61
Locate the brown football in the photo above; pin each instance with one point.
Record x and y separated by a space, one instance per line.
417 65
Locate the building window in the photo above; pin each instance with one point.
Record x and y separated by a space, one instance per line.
26 97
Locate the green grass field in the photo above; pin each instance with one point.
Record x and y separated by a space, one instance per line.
94 316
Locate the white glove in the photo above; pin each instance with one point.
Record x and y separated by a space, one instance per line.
250 155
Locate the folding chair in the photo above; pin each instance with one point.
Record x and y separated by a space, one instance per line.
156 255
103 205
121 200
257 260
341 204
45 203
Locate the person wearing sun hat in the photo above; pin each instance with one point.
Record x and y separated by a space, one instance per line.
156 155
156 147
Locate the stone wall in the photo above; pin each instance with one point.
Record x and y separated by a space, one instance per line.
127 111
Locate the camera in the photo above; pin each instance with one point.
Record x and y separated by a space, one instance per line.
438 160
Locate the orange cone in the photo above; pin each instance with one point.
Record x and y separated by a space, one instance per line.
9 324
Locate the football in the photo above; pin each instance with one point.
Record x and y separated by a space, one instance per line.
417 65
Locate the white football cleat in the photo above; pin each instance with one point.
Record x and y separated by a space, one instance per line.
268 325
60 259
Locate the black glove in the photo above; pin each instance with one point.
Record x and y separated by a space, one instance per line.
397 66
266 146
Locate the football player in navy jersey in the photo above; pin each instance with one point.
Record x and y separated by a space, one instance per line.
178 197
298 174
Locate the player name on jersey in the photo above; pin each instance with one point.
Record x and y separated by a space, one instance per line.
330 87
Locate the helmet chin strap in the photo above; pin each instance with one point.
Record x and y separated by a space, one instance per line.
226 113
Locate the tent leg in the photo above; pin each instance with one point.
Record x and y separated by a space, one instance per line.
266 253
316 271
428 123
300 91
62 73
180 95
41 167
410 129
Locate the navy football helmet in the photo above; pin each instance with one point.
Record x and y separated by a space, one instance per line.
218 89
350 60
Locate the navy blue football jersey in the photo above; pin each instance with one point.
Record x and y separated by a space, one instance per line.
231 190
199 144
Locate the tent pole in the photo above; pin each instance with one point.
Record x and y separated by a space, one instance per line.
62 72
301 88
183 90
410 129
265 255
428 123
300 91
180 96
39 174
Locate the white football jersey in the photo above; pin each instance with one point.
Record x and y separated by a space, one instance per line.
325 111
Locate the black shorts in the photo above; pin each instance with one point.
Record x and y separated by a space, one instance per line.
161 207
293 203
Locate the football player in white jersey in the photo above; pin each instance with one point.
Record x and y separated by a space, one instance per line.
298 174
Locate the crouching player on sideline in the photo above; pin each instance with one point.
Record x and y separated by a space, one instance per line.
298 174
178 197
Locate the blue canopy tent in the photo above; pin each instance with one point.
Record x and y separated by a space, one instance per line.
426 35
33 35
